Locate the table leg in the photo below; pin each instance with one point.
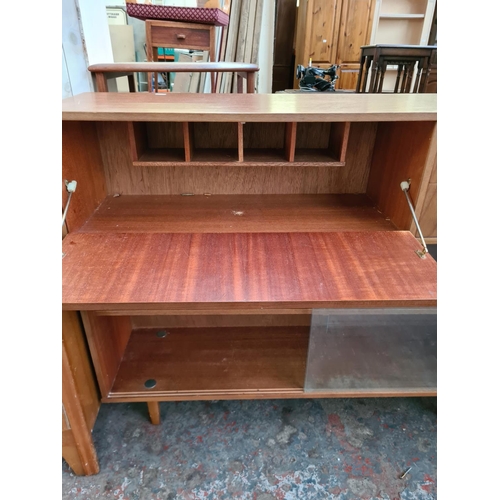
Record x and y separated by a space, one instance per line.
411 67
374 77
418 76
382 70
154 412
425 72
398 77
368 64
405 77
101 82
149 54
131 83
250 83
360 75
213 58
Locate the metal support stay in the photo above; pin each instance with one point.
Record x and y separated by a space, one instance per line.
405 186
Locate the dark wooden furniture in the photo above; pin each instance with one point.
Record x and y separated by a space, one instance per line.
377 57
104 72
207 231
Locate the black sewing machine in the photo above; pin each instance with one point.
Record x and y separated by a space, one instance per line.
317 79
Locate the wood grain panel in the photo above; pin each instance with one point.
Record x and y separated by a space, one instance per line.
263 135
81 369
403 152
220 320
313 135
339 138
124 178
138 138
348 76
244 270
171 106
71 455
237 214
107 337
355 30
77 445
82 162
117 159
434 173
428 172
80 398
203 312
165 135
215 135
428 218
321 31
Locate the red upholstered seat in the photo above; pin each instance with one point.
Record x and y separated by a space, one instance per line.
216 17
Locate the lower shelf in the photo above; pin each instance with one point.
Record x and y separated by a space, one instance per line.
208 362
245 363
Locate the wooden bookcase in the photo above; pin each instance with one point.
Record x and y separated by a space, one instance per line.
401 22
207 229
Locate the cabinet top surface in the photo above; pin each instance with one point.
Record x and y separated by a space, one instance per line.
114 106
388 46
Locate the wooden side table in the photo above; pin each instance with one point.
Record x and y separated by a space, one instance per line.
377 57
179 35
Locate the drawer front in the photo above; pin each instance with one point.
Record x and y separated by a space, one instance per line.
373 351
348 77
180 37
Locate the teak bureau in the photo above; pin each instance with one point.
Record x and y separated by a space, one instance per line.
245 246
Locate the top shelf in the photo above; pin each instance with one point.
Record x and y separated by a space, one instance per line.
402 16
115 106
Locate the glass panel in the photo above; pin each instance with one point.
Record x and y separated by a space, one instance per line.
372 350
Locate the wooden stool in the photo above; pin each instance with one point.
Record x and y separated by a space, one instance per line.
177 35
404 56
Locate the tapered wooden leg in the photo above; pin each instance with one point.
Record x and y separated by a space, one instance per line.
154 412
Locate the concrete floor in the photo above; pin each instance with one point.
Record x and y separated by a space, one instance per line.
262 450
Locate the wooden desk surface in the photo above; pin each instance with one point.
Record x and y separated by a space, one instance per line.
139 271
109 106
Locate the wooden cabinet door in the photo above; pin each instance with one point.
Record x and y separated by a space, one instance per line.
322 31
317 23
332 32
354 31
